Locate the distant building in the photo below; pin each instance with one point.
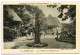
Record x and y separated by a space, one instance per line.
53 24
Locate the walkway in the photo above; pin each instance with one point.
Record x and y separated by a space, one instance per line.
21 42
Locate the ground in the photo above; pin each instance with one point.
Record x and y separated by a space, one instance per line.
21 43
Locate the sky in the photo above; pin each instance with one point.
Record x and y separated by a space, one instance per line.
52 11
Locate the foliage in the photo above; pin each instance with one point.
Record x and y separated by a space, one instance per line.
27 14
69 29
71 13
6 17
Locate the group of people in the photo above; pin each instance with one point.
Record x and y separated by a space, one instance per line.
28 32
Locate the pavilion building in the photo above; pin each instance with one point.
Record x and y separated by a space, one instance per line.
53 25
15 23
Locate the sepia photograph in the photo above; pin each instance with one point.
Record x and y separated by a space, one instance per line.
39 26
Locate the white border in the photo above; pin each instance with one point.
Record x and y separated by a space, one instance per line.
39 0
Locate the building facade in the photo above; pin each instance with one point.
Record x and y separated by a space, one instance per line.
53 25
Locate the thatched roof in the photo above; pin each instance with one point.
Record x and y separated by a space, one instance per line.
13 13
53 21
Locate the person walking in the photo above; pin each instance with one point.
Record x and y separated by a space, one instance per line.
29 33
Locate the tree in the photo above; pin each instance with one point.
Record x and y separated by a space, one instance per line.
28 13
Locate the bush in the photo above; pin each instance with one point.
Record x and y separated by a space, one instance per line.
8 34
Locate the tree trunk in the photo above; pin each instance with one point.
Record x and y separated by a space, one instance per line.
37 35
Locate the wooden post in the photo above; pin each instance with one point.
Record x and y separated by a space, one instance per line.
57 33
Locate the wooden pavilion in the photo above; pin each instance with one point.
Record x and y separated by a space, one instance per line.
53 25
15 23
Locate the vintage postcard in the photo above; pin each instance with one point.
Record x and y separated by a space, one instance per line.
37 27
